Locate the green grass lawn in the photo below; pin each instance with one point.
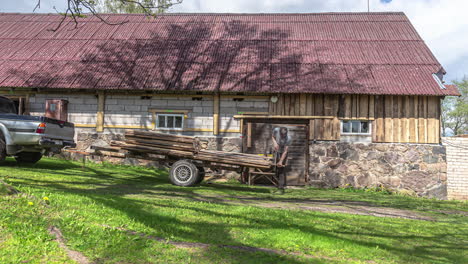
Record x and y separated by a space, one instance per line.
93 206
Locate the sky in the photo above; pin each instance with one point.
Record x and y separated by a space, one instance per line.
443 24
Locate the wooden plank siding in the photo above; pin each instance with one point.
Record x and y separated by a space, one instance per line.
395 119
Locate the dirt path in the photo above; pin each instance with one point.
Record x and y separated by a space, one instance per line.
72 254
327 206
54 231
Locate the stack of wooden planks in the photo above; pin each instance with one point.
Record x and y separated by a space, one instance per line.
179 147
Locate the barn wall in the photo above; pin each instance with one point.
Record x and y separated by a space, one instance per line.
395 119
123 111
322 110
82 108
407 119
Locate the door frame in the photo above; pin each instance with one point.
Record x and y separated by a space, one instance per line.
292 122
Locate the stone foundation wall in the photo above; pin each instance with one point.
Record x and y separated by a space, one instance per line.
457 167
419 169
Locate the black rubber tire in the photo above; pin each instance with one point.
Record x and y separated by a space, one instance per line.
184 173
201 172
28 157
3 153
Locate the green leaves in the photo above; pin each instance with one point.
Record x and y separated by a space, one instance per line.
455 110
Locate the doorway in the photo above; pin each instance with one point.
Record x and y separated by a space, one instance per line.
257 139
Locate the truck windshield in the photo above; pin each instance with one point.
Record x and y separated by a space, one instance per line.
7 106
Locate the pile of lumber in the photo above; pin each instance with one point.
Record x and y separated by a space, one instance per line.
177 146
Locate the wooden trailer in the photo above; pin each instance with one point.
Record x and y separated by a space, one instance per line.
188 157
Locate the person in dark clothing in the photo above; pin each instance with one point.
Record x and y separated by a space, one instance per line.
281 141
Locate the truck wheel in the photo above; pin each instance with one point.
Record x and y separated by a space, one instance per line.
201 172
3 153
28 157
184 173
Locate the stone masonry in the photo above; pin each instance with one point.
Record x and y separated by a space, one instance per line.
457 167
414 168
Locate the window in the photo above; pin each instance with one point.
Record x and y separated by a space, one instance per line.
169 121
355 127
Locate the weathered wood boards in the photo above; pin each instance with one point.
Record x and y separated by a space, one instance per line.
322 109
395 119
407 119
185 147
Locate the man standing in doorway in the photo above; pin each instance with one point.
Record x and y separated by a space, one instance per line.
281 141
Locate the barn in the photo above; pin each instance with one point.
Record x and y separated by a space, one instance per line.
360 93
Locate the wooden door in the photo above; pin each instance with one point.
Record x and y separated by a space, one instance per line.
57 109
257 140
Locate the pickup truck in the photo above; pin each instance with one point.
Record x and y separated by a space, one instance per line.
27 138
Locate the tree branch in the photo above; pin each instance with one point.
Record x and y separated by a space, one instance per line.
80 8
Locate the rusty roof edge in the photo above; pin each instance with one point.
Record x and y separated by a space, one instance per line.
452 90
449 92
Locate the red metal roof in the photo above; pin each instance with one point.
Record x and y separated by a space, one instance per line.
366 53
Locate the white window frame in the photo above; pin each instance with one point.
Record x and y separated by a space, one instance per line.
182 116
358 133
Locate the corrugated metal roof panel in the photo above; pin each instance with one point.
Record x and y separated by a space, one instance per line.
376 53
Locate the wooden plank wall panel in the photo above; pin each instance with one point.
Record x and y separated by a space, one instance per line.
403 119
356 107
327 123
399 119
371 106
411 120
311 105
406 119
422 115
396 119
388 119
363 107
319 111
379 127
433 126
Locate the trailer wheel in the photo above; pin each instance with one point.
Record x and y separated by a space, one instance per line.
201 172
28 157
184 173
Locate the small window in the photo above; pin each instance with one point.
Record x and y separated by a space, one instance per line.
355 127
168 121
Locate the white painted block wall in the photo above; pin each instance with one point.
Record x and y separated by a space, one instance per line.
130 110
457 167
81 108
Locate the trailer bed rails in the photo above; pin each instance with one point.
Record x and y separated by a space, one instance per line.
186 155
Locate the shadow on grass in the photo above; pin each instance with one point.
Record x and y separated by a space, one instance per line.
110 186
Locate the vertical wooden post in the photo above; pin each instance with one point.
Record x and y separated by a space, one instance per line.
100 112
216 114
26 105
312 129
249 135
20 106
